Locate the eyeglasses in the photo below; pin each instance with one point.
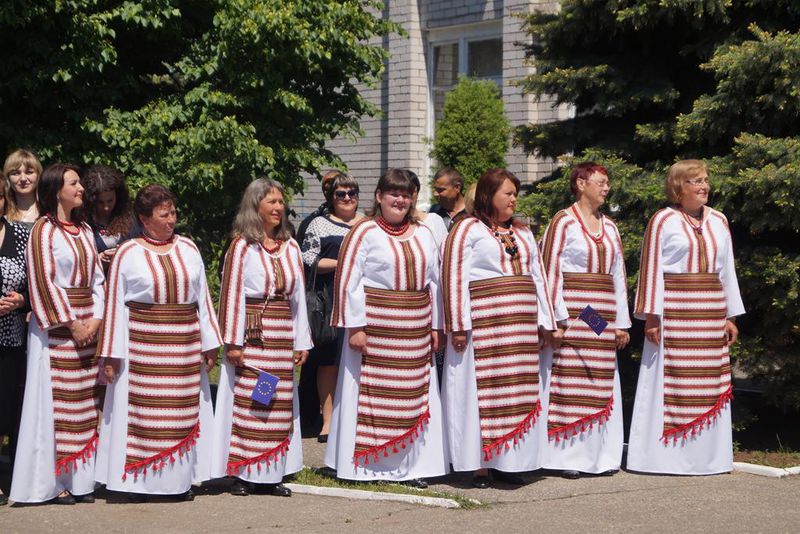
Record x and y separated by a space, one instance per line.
697 183
350 193
601 185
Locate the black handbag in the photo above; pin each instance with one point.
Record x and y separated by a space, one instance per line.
320 306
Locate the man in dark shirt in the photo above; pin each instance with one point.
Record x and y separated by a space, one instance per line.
448 188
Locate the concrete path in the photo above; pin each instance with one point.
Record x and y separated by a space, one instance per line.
622 503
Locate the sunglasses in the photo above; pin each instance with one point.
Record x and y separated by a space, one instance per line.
350 193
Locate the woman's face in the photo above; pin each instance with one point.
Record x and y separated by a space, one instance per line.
160 224
595 188
24 180
104 204
504 201
694 192
394 205
345 201
271 209
70 195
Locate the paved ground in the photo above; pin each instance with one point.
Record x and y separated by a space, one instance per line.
623 503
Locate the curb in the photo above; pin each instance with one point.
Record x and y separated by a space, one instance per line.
372 495
764 470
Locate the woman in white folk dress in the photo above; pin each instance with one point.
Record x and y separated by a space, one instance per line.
264 325
582 254
689 296
159 340
497 309
387 417
58 434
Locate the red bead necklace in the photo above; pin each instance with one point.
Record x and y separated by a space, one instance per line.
392 229
276 248
156 242
68 226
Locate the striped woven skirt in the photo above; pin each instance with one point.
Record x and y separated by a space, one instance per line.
163 384
262 433
697 369
395 372
582 377
505 341
73 375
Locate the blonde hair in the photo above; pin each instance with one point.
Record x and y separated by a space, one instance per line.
686 169
469 198
248 224
19 158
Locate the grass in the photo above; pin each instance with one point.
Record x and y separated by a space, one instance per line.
314 477
779 458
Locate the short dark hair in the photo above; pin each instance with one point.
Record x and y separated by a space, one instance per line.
396 180
488 184
50 183
451 174
150 197
330 186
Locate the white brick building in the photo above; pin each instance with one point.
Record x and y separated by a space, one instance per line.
445 38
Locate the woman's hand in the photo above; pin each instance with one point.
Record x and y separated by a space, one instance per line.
108 254
437 337
731 332
358 340
111 369
80 332
652 329
210 359
92 325
300 357
11 302
622 338
545 337
557 337
234 355
459 340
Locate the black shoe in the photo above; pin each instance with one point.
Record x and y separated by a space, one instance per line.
84 499
609 473
65 499
415 483
329 472
240 489
136 498
507 478
279 490
481 481
322 438
3 499
570 474
186 497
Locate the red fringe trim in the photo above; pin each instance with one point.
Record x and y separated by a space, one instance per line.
390 447
65 465
159 460
696 426
501 444
582 424
270 456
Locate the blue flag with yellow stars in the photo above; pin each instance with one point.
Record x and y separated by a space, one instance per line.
265 388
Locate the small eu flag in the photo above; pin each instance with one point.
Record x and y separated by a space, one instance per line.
593 319
265 388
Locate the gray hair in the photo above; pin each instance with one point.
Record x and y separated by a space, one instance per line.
248 224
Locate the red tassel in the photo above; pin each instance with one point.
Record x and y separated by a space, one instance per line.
366 460
394 449
507 446
124 477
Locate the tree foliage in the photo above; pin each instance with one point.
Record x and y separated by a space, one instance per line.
665 80
473 134
203 96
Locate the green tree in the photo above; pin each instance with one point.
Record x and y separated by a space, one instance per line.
203 96
651 82
473 134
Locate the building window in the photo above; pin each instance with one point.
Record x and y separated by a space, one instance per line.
477 53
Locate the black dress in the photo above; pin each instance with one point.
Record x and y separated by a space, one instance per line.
13 330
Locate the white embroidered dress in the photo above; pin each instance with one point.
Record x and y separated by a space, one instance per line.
54 265
567 248
251 272
670 247
370 258
473 253
137 274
